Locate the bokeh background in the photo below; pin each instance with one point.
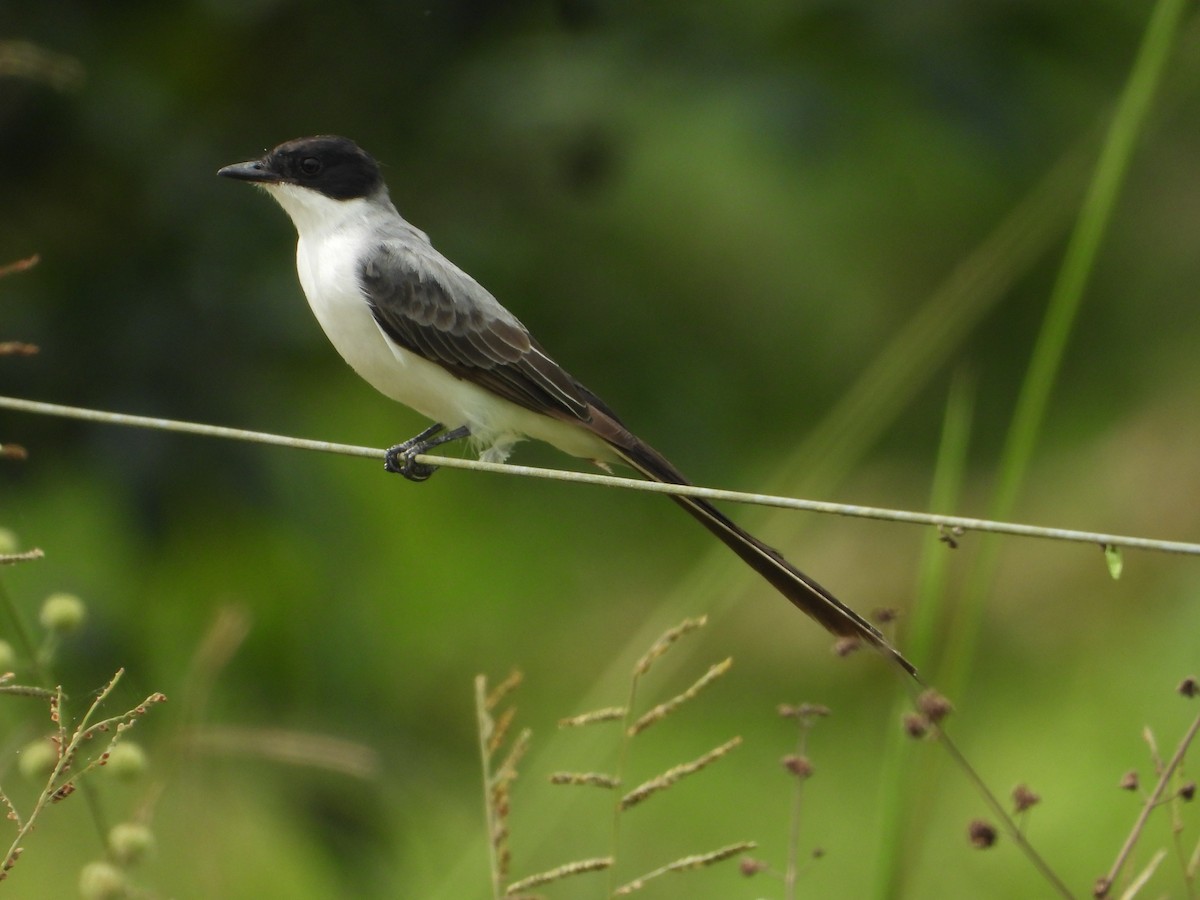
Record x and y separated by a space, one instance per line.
720 216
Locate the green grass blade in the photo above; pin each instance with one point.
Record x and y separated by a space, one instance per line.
1062 311
903 799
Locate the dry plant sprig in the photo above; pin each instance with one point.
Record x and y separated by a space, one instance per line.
591 779
500 728
934 729
503 689
498 778
933 708
670 777
663 710
665 642
9 559
12 814
631 729
1166 772
24 690
507 770
557 874
805 712
501 793
60 784
799 765
608 714
696 861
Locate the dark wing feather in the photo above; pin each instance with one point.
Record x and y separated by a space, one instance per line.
436 311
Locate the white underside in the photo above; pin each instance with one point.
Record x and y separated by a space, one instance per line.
326 260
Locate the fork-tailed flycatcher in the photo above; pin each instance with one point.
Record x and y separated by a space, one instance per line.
424 332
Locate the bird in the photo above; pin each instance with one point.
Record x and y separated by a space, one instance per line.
423 332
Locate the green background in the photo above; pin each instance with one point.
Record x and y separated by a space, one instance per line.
718 216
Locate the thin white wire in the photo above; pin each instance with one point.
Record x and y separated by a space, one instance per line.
956 524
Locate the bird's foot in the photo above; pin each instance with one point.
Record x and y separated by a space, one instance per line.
401 459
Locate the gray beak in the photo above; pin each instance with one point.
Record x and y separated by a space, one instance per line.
255 170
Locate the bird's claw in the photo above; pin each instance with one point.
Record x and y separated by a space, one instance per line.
401 460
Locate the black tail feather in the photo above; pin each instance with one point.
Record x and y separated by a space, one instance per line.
806 594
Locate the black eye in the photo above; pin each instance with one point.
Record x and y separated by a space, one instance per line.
310 166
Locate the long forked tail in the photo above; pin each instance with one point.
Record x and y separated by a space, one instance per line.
808 596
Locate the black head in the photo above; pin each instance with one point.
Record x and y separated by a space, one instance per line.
331 165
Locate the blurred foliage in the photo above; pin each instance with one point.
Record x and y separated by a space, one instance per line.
716 215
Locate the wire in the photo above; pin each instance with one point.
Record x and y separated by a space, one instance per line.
955 524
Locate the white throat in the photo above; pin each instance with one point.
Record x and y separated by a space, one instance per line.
313 213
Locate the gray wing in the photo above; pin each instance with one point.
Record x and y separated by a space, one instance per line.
430 307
